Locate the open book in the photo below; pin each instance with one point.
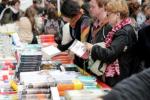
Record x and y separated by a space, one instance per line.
79 49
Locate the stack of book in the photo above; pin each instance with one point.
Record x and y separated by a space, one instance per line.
6 52
29 62
69 67
35 85
46 40
50 65
29 59
87 94
69 85
89 82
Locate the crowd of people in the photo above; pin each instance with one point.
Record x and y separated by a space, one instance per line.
122 26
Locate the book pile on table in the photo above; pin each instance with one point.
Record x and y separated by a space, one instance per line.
89 82
46 40
50 65
6 52
29 59
85 94
69 85
6 92
36 85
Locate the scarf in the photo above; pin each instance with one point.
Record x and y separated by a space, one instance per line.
113 68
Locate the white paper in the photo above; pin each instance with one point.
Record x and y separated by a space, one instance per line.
78 48
16 39
55 94
51 50
34 77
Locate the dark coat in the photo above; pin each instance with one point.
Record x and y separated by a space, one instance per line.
123 38
9 16
136 87
2 7
144 45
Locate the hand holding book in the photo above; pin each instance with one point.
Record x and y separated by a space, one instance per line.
79 49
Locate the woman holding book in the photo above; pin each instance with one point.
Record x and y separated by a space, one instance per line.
119 44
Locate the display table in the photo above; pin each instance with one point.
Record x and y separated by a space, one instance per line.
102 85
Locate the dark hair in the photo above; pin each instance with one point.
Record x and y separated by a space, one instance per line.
37 1
52 13
86 8
13 2
133 8
70 8
5 1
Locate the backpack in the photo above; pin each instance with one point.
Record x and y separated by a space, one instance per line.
52 26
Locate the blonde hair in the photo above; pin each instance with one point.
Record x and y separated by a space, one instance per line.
118 6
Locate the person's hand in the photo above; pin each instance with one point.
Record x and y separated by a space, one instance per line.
89 46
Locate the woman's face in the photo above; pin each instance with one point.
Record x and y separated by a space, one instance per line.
112 17
17 6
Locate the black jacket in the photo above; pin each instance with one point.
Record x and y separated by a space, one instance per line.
9 17
2 7
123 38
136 87
144 45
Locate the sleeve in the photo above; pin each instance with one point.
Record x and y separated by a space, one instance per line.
85 29
6 16
111 53
65 46
134 88
66 37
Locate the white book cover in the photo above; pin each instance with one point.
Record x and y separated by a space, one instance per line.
79 49
51 51
90 94
35 77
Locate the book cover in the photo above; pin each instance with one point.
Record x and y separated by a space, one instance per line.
79 49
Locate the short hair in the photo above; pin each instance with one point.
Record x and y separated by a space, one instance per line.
13 2
52 13
118 6
101 3
70 8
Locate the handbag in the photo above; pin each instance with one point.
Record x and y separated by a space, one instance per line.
97 67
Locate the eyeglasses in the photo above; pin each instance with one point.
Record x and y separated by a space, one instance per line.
110 13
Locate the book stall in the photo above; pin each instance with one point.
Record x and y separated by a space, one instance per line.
42 72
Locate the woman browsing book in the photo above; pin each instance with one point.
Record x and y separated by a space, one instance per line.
119 44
